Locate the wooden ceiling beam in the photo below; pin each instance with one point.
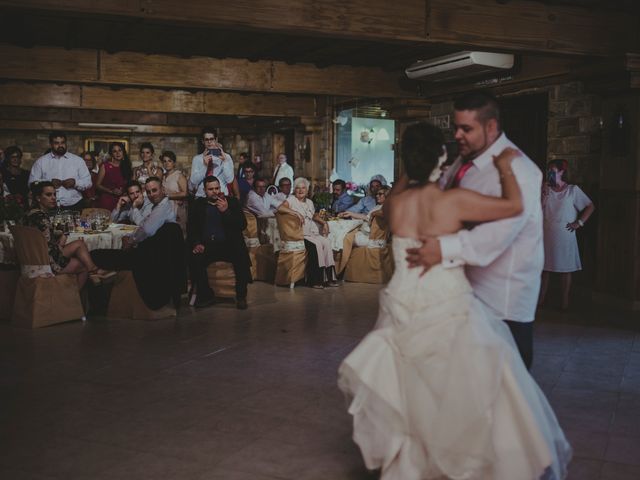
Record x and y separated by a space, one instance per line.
166 71
531 26
154 100
511 26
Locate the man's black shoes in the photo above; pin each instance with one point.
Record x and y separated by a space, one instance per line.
241 304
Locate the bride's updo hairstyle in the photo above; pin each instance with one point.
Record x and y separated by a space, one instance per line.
420 149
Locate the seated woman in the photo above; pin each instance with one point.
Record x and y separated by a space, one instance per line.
362 236
320 263
72 257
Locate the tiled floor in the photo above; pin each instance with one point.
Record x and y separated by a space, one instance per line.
223 394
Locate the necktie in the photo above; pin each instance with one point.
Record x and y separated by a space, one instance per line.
461 172
210 168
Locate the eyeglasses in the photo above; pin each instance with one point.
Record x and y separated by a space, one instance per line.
209 139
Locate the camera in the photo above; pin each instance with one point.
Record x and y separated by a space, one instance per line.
216 152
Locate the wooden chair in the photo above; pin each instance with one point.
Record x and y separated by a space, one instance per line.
41 299
373 263
125 301
292 257
263 260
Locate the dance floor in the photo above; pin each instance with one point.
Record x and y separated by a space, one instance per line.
223 394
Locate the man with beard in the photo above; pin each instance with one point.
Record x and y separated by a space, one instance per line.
68 173
504 258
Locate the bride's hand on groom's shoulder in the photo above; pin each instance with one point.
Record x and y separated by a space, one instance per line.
504 158
425 256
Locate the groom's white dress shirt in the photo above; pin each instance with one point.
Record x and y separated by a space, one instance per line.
504 258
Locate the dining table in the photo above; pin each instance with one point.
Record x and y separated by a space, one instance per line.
111 237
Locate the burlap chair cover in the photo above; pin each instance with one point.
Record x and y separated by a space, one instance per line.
222 279
343 256
265 263
372 264
252 241
125 301
292 256
42 301
90 211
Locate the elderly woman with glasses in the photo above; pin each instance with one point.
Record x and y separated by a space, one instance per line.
320 263
362 236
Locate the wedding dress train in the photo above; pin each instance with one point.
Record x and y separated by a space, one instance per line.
438 389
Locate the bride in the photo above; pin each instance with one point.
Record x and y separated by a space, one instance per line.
438 389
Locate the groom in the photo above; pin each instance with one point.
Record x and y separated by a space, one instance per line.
504 258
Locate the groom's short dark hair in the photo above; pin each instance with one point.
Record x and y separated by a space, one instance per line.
482 102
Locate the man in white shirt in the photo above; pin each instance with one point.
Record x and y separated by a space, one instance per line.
213 161
284 185
503 259
132 207
283 169
259 202
68 173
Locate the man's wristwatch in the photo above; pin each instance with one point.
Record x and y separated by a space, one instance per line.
580 222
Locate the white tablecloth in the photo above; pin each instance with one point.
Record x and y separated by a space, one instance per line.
110 238
338 229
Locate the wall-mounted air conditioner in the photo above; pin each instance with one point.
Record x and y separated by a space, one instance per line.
459 65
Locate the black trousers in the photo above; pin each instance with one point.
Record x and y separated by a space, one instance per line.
522 333
224 251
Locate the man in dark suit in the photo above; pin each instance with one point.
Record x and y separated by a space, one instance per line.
214 233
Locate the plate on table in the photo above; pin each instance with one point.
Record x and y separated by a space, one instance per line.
128 228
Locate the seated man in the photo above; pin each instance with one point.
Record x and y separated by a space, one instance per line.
259 202
214 233
366 204
159 237
341 199
133 207
284 185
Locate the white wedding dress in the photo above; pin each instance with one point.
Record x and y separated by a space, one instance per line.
438 389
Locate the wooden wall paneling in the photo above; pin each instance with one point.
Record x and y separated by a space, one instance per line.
513 25
356 18
108 7
138 69
40 95
142 99
522 24
130 68
48 64
154 100
258 104
35 125
337 80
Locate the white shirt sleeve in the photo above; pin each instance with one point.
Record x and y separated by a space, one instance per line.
228 173
483 244
198 171
83 177
36 172
256 205
159 215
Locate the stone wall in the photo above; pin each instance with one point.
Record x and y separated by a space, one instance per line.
574 131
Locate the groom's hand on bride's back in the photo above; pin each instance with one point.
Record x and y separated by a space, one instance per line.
425 256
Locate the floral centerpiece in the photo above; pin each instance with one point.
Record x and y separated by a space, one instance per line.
356 190
11 208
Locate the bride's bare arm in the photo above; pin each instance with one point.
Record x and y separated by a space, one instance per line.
475 207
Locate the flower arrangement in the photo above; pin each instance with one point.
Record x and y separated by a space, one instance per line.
11 208
356 190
